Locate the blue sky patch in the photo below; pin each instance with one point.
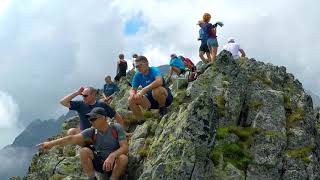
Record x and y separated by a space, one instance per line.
133 25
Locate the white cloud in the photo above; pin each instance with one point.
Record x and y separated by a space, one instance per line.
9 125
9 111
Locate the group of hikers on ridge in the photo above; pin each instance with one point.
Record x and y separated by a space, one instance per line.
104 145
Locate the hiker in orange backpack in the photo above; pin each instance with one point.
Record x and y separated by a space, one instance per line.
107 154
191 68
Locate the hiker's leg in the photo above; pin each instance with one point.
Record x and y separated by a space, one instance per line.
119 167
175 69
135 104
201 55
213 53
160 95
208 57
86 156
73 131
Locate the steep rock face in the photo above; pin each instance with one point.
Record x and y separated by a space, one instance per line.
239 120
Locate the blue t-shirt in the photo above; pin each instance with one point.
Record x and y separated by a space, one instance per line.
106 142
177 62
202 36
140 79
84 109
109 89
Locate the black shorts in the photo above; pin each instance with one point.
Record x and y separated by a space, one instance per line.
98 164
204 48
182 71
155 104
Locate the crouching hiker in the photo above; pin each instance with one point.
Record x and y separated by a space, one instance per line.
176 65
153 95
107 153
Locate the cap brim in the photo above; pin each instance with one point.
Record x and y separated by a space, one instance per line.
91 115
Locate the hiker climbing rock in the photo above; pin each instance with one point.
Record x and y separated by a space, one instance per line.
153 95
234 49
210 31
109 90
107 154
190 67
122 67
85 106
176 65
203 46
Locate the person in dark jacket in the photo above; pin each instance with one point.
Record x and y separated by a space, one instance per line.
122 67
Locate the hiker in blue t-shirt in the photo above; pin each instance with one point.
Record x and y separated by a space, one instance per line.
109 89
85 106
106 146
176 65
153 95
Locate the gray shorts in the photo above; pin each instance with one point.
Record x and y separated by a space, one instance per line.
212 43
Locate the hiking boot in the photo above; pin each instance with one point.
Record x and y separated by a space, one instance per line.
163 111
140 121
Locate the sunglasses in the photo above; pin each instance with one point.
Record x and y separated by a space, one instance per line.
139 65
84 95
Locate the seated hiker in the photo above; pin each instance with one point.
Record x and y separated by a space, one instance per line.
203 46
176 65
86 105
109 90
234 49
153 95
122 67
106 146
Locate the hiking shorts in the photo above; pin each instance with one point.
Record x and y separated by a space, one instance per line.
204 48
98 164
155 104
212 43
182 71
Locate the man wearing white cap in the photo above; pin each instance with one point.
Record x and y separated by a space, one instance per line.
234 49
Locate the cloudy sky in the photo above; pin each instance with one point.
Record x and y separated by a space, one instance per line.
50 48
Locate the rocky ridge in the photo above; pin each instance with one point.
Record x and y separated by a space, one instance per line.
239 120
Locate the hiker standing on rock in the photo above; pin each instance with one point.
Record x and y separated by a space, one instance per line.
176 65
234 49
153 95
203 46
122 67
85 106
109 146
211 33
109 89
134 57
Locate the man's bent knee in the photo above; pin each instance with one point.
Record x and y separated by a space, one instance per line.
122 160
73 131
86 152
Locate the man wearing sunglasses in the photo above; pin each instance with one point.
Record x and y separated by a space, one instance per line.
153 95
85 106
110 146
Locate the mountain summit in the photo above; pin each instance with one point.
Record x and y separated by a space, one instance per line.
240 119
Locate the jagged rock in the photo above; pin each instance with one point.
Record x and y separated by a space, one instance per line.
241 119
179 83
